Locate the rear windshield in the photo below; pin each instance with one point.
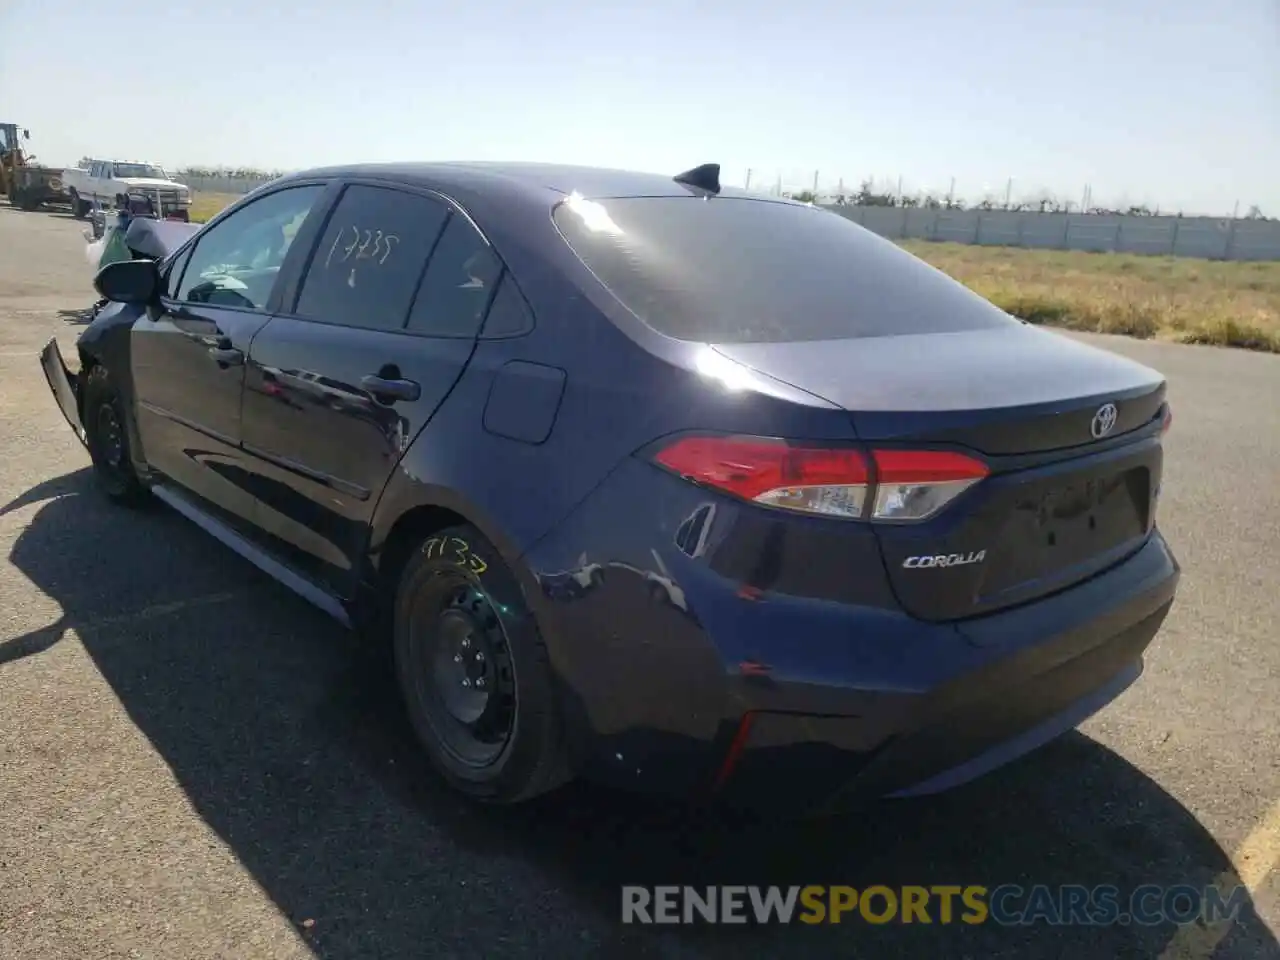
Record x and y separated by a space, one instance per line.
730 270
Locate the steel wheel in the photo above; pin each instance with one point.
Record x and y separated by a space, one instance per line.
467 677
473 669
108 438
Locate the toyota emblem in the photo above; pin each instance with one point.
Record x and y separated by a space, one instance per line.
1104 421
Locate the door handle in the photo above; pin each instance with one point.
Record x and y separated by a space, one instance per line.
223 353
389 391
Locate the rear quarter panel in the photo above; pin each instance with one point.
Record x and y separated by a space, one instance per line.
624 386
616 398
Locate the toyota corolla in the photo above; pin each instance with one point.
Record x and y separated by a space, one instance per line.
644 478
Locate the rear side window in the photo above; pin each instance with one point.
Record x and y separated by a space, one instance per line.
509 314
730 270
458 285
368 263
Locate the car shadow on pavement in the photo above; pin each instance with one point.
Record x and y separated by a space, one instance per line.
288 742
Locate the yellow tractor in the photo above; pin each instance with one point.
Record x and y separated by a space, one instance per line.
27 185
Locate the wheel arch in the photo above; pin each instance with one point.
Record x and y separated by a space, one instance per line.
88 360
409 529
409 509
105 343
408 513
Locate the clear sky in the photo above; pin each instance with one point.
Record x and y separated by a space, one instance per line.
1169 102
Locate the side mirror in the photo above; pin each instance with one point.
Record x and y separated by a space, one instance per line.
128 281
26 134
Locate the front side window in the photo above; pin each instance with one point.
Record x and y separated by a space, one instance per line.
368 263
237 262
173 274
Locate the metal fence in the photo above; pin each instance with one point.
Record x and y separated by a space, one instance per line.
1205 237
225 184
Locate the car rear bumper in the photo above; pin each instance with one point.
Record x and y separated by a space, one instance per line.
709 688
63 383
986 717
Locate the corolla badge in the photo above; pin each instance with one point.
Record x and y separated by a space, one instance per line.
1104 421
944 560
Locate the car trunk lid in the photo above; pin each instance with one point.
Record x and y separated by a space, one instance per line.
1070 434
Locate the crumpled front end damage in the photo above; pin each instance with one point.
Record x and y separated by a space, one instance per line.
65 386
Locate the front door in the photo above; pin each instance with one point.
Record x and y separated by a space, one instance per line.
188 356
385 322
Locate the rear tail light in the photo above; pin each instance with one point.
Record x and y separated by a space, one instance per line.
1167 422
893 485
916 484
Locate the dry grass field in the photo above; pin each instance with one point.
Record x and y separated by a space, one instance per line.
1191 301
206 205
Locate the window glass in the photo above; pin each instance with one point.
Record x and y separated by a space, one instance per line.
508 315
139 170
682 535
689 533
237 262
731 270
173 275
459 280
368 264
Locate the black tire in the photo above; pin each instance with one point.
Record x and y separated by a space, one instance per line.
474 673
77 211
108 439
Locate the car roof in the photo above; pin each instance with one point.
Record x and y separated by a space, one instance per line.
510 202
544 181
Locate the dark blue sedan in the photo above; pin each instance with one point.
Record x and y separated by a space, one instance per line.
642 478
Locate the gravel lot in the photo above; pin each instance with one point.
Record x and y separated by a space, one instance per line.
193 763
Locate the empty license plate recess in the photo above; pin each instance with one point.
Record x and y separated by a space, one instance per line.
1067 525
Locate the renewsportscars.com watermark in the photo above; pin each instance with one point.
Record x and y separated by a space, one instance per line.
1006 905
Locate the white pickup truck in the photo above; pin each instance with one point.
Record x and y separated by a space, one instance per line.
110 183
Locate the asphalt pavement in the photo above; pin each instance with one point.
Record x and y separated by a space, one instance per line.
193 763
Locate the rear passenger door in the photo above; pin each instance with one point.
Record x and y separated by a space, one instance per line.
383 324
